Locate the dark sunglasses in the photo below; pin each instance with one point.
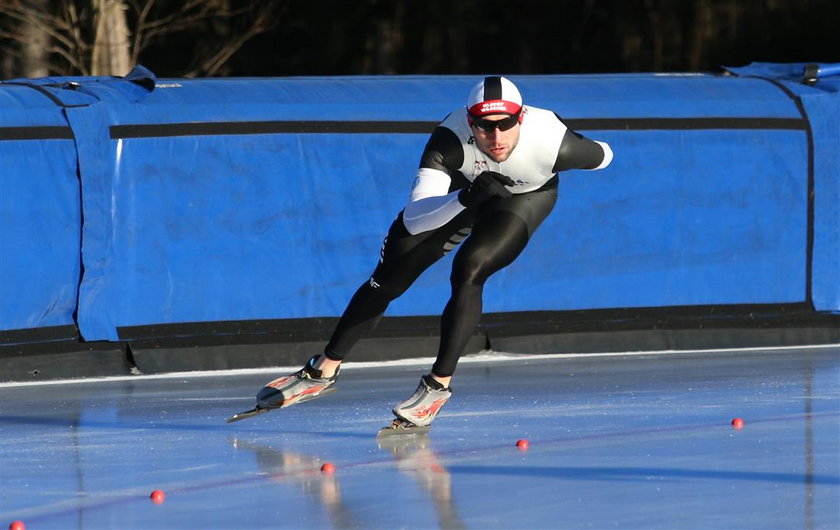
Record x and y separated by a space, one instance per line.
488 125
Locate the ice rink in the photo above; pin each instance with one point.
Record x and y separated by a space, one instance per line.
616 441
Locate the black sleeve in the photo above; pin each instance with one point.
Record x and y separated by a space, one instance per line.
578 152
443 151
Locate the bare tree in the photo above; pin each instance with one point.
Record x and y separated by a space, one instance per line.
107 37
110 54
35 45
701 32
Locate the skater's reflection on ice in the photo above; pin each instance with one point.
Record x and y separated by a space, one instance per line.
413 456
294 468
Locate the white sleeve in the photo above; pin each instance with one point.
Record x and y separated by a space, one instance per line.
608 154
430 204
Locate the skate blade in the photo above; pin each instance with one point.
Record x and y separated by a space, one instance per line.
247 414
262 410
402 428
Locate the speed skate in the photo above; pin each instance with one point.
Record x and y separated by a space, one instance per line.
257 410
247 414
304 385
401 427
415 415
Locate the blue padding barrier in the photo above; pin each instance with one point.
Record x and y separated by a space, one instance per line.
665 226
244 199
825 124
821 103
40 213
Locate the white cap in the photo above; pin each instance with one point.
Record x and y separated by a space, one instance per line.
494 95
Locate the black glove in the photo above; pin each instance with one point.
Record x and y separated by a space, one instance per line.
485 187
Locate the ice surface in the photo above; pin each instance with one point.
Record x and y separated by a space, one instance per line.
616 441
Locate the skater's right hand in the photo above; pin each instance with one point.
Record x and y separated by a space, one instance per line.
485 187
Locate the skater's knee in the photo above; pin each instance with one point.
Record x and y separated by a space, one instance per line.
469 272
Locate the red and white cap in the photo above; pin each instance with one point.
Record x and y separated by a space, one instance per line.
494 95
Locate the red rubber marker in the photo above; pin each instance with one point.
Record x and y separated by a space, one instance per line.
523 444
738 423
328 468
17 525
157 496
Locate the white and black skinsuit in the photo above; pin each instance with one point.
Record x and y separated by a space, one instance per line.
435 221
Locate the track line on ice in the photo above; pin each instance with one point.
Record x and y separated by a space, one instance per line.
489 356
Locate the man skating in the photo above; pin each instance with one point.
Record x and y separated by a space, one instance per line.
487 180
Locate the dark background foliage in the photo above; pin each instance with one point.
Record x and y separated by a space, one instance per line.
354 37
538 36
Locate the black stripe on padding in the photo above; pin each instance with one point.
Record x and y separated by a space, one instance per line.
163 130
40 132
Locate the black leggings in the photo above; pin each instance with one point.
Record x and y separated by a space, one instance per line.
500 231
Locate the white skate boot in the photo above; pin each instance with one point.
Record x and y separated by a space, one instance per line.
303 385
415 415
